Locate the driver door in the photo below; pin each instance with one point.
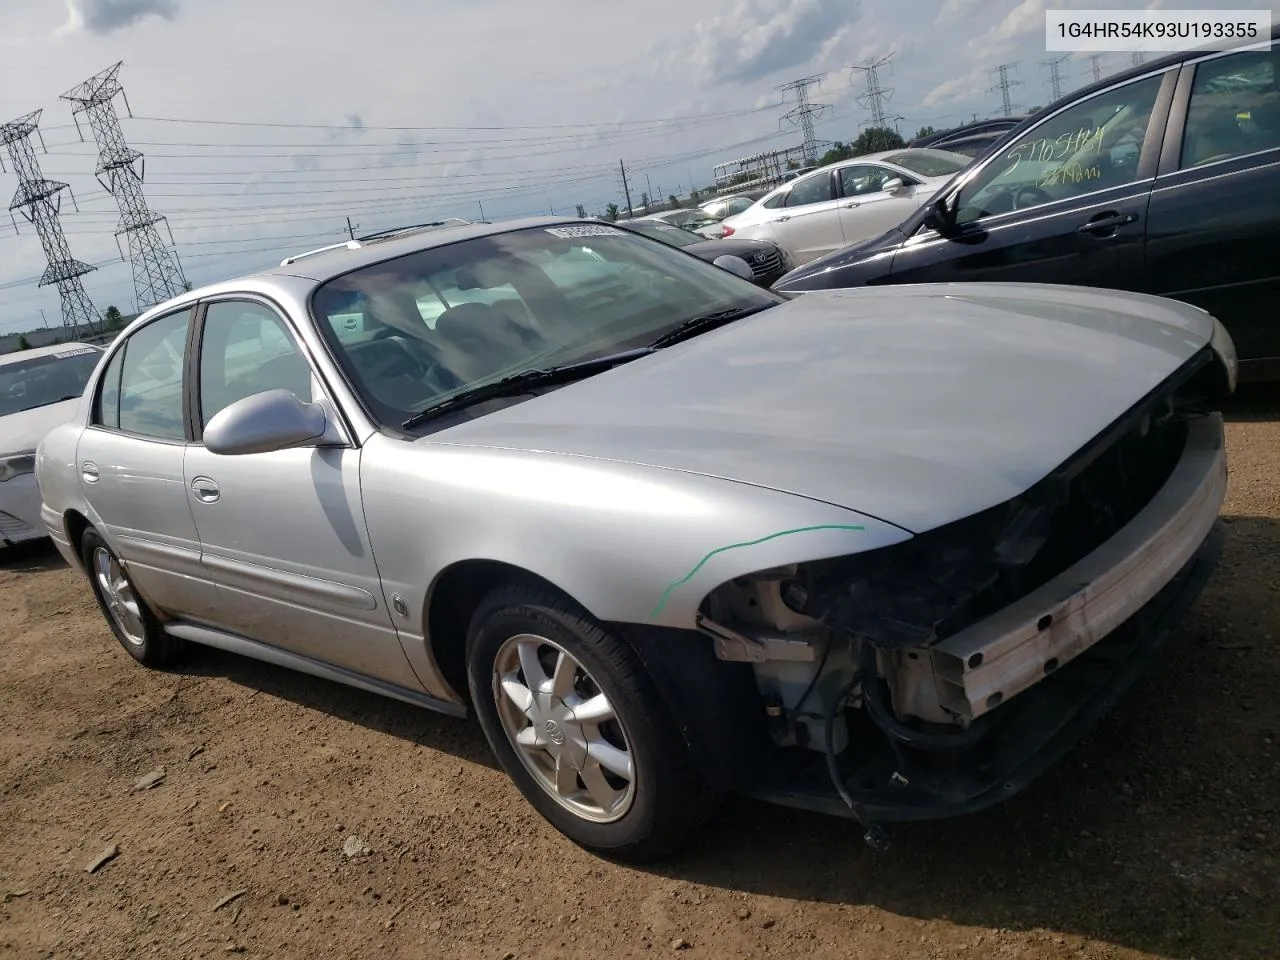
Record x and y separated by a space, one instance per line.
1066 202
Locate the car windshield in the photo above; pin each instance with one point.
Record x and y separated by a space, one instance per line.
676 236
42 380
413 331
930 163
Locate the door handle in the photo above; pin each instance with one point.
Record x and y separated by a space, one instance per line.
855 203
206 490
89 471
783 219
1104 222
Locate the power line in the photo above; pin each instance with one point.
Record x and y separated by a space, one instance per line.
40 201
157 276
1095 66
877 95
803 113
1055 75
1005 86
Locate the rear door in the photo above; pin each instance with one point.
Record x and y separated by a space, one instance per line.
866 208
131 460
808 224
1065 202
1214 227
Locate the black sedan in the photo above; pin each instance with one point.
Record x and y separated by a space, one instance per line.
767 261
1163 179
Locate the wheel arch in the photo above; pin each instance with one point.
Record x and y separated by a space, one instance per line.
715 704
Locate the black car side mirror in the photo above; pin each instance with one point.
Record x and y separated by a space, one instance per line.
938 216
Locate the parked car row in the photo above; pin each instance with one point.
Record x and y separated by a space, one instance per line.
1164 179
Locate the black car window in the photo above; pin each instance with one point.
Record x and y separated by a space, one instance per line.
1234 108
815 189
1090 146
777 200
150 397
247 349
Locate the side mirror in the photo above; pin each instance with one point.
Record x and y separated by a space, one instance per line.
893 185
273 420
735 265
938 216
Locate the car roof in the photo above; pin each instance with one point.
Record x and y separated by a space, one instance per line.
49 351
330 262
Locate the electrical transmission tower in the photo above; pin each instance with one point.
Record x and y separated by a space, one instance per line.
1095 66
877 94
40 201
157 274
1005 86
803 113
1139 58
1055 75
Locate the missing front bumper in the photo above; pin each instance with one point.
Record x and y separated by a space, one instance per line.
1035 731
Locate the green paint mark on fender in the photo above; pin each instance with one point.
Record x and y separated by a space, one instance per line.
666 594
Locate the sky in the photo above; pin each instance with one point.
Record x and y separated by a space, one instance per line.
266 123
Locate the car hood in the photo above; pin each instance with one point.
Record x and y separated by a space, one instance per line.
816 274
22 432
915 404
710 249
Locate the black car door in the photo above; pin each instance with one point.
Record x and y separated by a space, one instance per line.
1214 222
1064 202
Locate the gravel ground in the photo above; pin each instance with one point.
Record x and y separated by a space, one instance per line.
1157 837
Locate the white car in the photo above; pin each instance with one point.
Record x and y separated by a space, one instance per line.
845 202
39 390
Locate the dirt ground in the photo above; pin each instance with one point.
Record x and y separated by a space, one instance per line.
1158 837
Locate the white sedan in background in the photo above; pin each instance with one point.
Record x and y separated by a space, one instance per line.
39 390
845 202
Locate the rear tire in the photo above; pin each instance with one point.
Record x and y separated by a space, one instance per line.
577 724
128 615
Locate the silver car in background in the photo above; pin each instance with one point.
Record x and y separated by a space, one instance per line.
882 553
845 202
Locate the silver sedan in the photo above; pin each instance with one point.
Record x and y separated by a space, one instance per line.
880 553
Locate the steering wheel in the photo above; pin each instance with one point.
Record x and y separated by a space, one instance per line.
1035 194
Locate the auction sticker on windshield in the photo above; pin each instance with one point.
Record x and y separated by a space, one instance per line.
74 353
585 230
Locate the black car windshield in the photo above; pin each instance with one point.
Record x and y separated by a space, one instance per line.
413 331
676 236
929 162
42 380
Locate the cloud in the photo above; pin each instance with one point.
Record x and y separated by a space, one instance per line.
107 16
955 10
755 39
957 88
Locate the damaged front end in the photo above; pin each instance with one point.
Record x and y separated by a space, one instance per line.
941 675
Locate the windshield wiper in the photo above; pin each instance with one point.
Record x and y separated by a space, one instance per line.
695 325
523 382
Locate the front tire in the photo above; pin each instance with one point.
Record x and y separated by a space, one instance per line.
128 615
576 723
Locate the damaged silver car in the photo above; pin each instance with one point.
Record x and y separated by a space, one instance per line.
883 553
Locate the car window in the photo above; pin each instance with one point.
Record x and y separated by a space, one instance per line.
676 236
107 409
815 189
51 378
862 179
150 396
930 162
777 200
522 299
245 349
737 205
1090 146
1234 108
